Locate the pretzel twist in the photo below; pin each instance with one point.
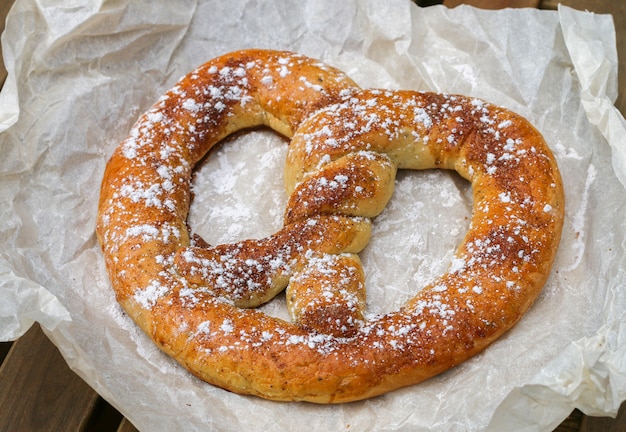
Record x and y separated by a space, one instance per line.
347 144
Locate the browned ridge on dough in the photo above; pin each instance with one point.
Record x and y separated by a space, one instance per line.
197 301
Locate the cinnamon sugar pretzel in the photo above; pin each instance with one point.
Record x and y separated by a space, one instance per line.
197 301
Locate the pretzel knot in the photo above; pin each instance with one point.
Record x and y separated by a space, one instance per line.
197 301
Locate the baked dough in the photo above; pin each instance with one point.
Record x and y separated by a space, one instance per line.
197 301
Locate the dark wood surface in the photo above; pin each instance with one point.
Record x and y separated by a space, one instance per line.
35 380
38 391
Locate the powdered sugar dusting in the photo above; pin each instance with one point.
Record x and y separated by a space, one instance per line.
384 130
147 297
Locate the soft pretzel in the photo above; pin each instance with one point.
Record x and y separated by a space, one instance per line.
197 301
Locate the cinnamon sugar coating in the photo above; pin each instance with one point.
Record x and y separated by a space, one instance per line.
197 301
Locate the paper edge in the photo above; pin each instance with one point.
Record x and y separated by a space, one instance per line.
543 401
598 104
31 300
549 407
9 100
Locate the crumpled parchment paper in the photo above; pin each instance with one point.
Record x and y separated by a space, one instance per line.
79 76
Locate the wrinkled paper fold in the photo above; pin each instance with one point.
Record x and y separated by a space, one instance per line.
78 79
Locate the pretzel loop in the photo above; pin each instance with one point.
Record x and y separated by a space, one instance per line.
347 145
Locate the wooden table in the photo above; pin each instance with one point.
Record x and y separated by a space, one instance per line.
38 392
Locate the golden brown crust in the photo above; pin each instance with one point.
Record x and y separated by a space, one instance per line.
346 148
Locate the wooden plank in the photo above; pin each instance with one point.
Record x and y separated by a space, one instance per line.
571 423
605 424
126 426
493 4
38 391
4 350
103 418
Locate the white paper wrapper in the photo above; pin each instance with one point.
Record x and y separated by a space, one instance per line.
80 76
